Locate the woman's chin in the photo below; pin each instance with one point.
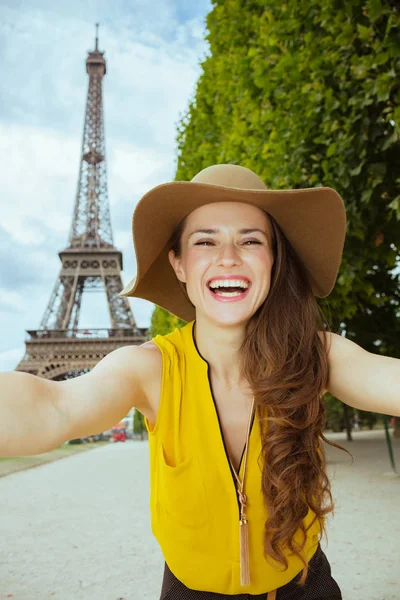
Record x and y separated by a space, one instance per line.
224 316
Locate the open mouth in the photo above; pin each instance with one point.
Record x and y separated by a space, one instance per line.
230 288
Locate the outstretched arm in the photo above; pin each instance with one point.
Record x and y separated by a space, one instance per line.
361 379
38 414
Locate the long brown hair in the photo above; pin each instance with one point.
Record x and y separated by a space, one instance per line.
285 361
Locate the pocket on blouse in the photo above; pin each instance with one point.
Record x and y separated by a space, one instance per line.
180 492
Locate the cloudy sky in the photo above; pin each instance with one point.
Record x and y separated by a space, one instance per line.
153 52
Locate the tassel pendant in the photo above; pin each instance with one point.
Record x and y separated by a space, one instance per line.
243 524
244 553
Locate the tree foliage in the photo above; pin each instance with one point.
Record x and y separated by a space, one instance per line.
306 93
163 322
138 422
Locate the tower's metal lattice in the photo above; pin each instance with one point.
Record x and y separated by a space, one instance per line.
91 263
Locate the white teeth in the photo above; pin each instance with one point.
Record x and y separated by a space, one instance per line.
229 293
229 283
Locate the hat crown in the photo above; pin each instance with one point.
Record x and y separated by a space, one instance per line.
234 176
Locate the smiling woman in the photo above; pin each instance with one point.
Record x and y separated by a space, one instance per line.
238 399
278 351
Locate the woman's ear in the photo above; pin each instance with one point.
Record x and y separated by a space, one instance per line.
177 266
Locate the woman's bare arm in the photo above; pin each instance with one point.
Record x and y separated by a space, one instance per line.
362 379
37 415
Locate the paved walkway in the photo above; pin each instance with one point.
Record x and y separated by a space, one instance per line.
79 528
364 534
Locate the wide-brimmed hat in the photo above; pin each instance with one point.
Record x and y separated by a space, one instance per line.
312 219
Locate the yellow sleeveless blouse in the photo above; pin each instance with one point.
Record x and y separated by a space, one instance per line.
193 498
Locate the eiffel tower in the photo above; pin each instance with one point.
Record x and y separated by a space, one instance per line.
59 350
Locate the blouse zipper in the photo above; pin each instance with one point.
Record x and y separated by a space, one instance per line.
223 442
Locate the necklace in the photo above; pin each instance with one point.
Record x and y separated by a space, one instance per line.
243 523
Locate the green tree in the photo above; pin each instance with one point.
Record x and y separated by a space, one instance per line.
306 93
163 322
138 422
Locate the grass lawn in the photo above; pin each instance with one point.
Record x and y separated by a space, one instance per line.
11 464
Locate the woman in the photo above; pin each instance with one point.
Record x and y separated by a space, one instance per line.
241 383
232 400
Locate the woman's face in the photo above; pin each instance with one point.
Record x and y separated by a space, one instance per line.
226 242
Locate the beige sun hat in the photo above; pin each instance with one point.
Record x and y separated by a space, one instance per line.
312 219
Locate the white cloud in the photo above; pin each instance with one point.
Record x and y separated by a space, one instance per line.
9 359
39 179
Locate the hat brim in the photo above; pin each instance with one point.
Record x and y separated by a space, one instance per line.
312 219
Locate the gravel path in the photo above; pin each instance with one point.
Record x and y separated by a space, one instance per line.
79 528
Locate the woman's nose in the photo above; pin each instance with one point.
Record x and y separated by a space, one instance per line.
228 255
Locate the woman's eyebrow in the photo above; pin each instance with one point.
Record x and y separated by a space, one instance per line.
243 231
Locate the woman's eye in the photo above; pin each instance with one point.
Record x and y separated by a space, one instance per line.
201 243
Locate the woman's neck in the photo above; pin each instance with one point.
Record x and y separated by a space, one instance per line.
219 346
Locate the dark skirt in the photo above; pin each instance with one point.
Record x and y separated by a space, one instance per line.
319 585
